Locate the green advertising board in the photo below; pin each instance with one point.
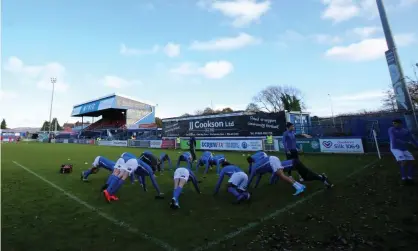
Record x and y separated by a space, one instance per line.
184 144
307 145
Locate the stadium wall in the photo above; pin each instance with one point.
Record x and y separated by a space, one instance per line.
346 145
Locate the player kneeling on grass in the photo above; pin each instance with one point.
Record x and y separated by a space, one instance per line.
305 173
186 157
272 164
204 160
237 183
163 158
99 162
181 177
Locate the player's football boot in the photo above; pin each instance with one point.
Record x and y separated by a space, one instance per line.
106 195
82 177
326 181
174 203
300 190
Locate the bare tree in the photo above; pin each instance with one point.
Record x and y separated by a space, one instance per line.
208 111
279 98
198 112
413 91
225 110
389 100
252 107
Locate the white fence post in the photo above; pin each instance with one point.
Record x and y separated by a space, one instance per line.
377 144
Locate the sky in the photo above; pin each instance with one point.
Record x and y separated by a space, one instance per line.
185 55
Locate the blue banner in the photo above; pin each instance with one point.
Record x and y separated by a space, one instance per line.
94 106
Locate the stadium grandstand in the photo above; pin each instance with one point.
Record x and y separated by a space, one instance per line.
115 117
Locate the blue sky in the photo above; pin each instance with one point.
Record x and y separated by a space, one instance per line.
185 54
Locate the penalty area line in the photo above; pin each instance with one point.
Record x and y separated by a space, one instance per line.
131 229
254 224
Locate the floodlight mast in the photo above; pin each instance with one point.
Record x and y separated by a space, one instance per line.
403 98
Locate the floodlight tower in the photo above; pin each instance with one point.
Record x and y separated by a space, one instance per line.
403 99
53 81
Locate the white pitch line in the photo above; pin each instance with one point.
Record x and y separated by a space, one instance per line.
252 225
156 241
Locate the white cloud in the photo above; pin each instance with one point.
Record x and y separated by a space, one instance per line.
368 49
225 43
362 96
242 12
366 100
124 50
211 70
407 3
365 32
291 36
7 95
39 75
118 82
216 69
326 39
340 10
172 50
343 10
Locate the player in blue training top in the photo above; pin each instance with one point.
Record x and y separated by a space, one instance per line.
142 172
256 156
186 157
216 160
272 164
399 139
99 162
181 177
204 160
163 158
237 183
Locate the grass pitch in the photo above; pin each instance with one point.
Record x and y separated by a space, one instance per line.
38 216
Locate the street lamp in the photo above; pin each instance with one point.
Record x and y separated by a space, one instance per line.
53 81
332 110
